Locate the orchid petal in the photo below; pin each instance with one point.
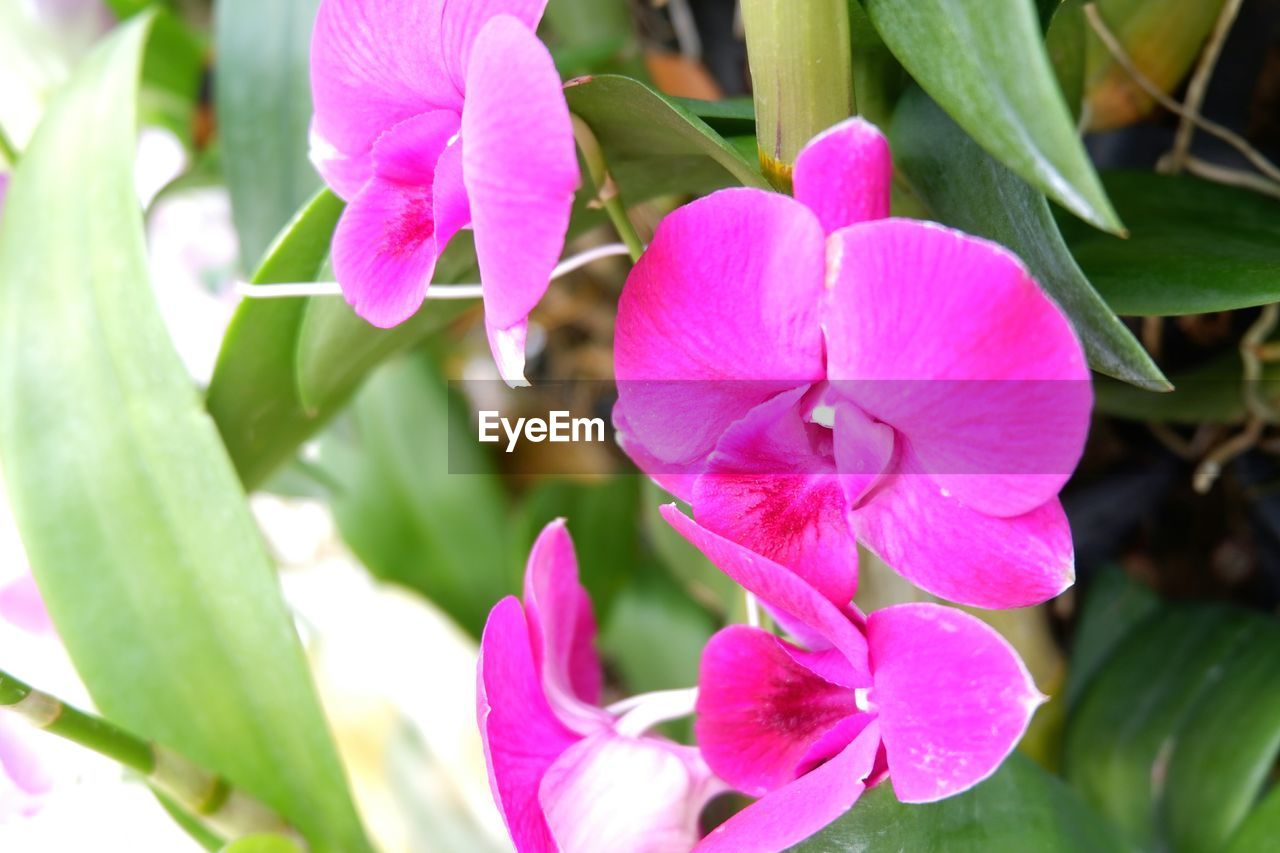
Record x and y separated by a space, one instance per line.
949 340
22 605
521 735
373 65
465 19
777 587
760 712
792 813
843 175
952 696
719 315
385 246
953 552
521 170
677 479
771 486
617 793
562 629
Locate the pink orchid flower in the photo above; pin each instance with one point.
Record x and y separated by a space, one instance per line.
926 694
567 774
809 374
432 116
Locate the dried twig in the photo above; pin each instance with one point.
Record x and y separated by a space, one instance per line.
1176 159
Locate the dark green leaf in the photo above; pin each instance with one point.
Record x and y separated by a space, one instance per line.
1260 830
1184 715
968 189
1210 393
654 634
137 530
1020 808
653 145
253 396
1116 605
984 62
264 111
1194 246
878 78
399 507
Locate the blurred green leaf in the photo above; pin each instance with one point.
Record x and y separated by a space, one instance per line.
1020 808
878 78
1175 736
1210 393
695 574
253 396
262 844
968 189
1194 246
130 511
984 62
1261 828
590 36
397 504
603 520
263 92
655 634
653 145
1065 42
1115 606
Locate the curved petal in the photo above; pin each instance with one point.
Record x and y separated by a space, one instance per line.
385 246
953 552
771 486
843 174
562 629
794 812
618 793
952 696
21 605
719 315
964 355
522 737
676 479
373 65
464 19
759 712
451 206
520 169
777 587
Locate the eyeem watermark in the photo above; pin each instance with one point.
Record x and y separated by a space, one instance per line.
559 427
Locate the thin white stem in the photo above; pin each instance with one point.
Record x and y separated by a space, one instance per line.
646 711
753 610
439 291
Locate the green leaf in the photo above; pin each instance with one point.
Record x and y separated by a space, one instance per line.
1174 737
654 634
135 524
878 78
653 145
968 189
984 62
1116 605
397 504
262 844
253 396
263 95
1194 246
603 520
1210 393
1020 808
1260 830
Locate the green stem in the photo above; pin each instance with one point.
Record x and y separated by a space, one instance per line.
606 189
801 75
225 810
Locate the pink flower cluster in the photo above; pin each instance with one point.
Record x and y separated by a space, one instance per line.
808 374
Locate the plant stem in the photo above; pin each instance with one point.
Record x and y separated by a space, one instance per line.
801 73
227 811
7 151
606 189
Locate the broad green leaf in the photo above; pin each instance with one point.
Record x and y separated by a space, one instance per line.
1194 246
653 145
1210 393
135 524
253 396
984 62
1065 42
1260 830
968 189
603 520
1184 715
878 78
1115 606
655 634
397 503
1020 808
264 111
263 844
